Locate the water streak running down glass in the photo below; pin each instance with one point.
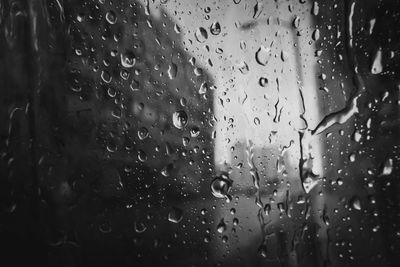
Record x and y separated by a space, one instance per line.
200 133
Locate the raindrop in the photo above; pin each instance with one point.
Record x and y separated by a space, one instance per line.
105 76
111 17
243 67
315 8
296 22
355 203
143 133
256 121
172 70
377 63
128 60
263 82
142 156
201 35
177 28
315 35
262 55
387 167
195 131
166 171
221 186
258 8
203 88
221 227
215 28
175 215
180 119
140 227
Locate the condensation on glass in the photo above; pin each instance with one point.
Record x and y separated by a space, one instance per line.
191 133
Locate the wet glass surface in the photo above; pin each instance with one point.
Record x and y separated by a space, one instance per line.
200 133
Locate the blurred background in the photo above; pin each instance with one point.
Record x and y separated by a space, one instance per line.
191 133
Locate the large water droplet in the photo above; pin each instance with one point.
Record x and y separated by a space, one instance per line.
128 59
172 70
355 203
221 227
215 28
387 167
175 215
262 55
180 119
201 35
243 67
221 186
111 17
143 133
377 63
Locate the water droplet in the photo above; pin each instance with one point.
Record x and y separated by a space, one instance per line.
258 8
142 156
140 227
355 203
315 8
180 119
377 63
195 131
387 167
128 59
263 82
111 17
166 171
352 157
243 67
175 215
143 133
172 70
262 55
201 35
215 28
221 227
221 186
256 121
296 22
203 88
177 28
105 76
309 183
315 35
